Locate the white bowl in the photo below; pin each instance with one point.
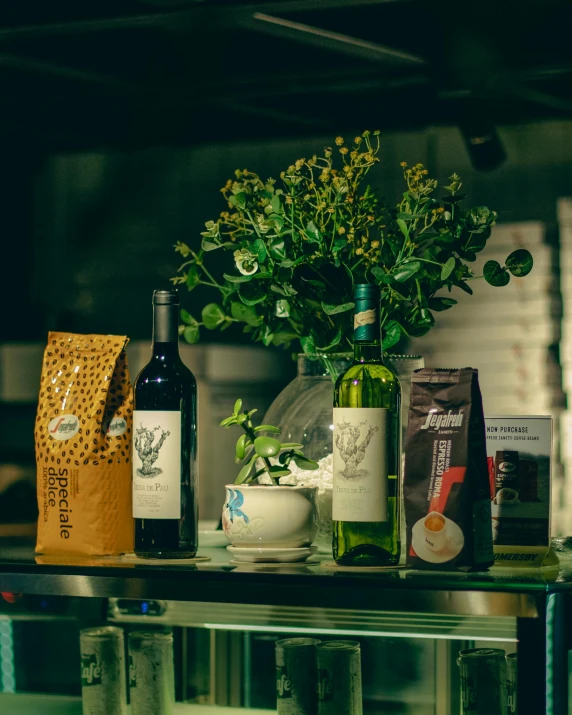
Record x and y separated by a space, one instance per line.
264 516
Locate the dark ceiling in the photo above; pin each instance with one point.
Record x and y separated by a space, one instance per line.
135 73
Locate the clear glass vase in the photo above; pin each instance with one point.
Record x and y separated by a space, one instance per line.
303 411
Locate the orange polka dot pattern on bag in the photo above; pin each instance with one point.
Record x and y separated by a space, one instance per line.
83 446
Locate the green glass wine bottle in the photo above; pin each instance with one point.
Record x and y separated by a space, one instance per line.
367 454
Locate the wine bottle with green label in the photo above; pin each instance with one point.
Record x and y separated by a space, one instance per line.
367 403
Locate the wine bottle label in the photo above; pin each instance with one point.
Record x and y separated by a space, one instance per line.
156 464
360 464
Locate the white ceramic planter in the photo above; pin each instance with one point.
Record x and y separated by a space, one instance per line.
272 517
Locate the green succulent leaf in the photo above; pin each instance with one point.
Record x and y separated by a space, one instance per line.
237 407
267 428
304 462
520 263
277 471
241 446
244 473
228 421
267 446
495 274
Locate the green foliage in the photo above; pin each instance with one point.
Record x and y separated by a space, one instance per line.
254 449
292 250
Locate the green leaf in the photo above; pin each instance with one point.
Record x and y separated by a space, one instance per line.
241 447
464 286
333 342
292 445
439 304
192 334
237 279
305 463
308 344
228 421
193 279
267 428
276 248
339 243
259 247
495 275
283 337
237 407
382 276
448 268
520 263
245 471
266 446
335 309
406 270
245 313
282 309
207 245
187 318
252 293
391 334
213 315
313 233
238 200
276 204
278 471
403 227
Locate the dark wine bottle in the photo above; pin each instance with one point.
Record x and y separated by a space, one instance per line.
165 443
367 403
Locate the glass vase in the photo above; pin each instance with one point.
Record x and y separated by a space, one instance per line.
303 411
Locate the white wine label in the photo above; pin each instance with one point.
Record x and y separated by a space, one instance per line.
360 464
156 464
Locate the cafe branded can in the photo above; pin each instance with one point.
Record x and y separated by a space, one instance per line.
339 678
483 681
151 673
511 684
103 688
296 692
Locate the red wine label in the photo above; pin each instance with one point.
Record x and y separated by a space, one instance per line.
360 464
156 464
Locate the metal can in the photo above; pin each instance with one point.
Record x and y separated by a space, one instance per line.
296 676
339 678
511 683
483 681
151 673
103 686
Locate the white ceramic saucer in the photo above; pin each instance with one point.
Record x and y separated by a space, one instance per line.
212 537
273 555
452 546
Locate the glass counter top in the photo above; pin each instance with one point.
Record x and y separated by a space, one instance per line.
318 582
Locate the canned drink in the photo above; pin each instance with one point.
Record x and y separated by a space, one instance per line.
151 673
296 676
103 688
511 683
339 678
483 681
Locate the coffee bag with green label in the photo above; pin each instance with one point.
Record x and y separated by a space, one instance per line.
446 484
83 446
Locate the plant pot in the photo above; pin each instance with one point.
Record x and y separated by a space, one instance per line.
270 517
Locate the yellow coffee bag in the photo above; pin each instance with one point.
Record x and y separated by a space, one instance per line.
83 446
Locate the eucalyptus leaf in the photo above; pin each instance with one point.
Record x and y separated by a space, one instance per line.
213 315
406 271
335 309
245 314
520 263
192 334
313 233
391 334
495 274
192 280
448 268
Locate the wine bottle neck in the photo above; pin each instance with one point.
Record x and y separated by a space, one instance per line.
166 328
368 351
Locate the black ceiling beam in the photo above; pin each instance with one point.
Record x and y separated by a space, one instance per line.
326 39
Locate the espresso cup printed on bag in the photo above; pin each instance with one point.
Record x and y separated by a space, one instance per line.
507 496
435 529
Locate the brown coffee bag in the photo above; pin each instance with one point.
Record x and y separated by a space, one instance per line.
83 446
446 484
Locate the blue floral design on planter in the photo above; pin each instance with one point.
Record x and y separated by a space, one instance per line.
235 501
